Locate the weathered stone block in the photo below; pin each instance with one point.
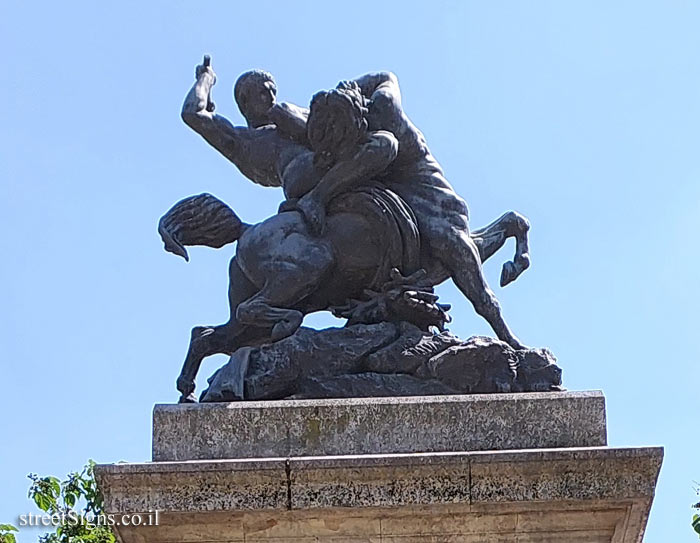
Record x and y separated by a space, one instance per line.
595 494
378 425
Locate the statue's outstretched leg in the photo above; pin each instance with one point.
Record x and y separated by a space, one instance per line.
460 255
491 238
225 338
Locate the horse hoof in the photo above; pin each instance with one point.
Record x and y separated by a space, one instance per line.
512 270
508 274
185 385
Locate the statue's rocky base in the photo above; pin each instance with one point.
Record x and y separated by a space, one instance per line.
499 467
375 360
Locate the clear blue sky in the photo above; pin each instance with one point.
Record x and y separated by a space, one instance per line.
582 115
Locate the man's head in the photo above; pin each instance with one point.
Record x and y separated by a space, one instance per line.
336 122
255 93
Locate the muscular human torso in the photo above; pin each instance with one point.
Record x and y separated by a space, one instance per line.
414 156
386 113
270 159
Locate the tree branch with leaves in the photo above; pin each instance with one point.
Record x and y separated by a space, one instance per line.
76 501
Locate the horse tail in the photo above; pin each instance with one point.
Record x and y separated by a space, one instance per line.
199 220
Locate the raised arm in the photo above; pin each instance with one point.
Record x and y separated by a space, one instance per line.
251 150
198 114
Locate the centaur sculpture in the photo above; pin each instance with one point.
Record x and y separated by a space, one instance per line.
367 210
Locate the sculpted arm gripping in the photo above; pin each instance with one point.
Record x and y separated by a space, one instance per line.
346 153
370 159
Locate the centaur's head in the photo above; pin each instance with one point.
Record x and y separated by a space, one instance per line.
255 93
337 123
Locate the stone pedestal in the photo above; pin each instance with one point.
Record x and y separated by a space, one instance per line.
503 467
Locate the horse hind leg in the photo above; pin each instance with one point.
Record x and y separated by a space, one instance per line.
260 311
521 261
223 339
491 238
274 305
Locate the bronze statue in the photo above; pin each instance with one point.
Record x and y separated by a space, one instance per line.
367 206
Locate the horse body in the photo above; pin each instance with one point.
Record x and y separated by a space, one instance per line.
281 271
282 249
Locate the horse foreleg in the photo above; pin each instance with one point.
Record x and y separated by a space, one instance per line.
491 238
460 255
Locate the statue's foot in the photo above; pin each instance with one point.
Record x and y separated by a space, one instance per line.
186 388
512 270
507 274
190 398
516 344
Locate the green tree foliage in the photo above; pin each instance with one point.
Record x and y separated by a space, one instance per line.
6 535
77 501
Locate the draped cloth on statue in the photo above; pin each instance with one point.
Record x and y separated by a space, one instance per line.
395 221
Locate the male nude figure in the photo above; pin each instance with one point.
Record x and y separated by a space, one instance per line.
443 217
267 155
273 149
